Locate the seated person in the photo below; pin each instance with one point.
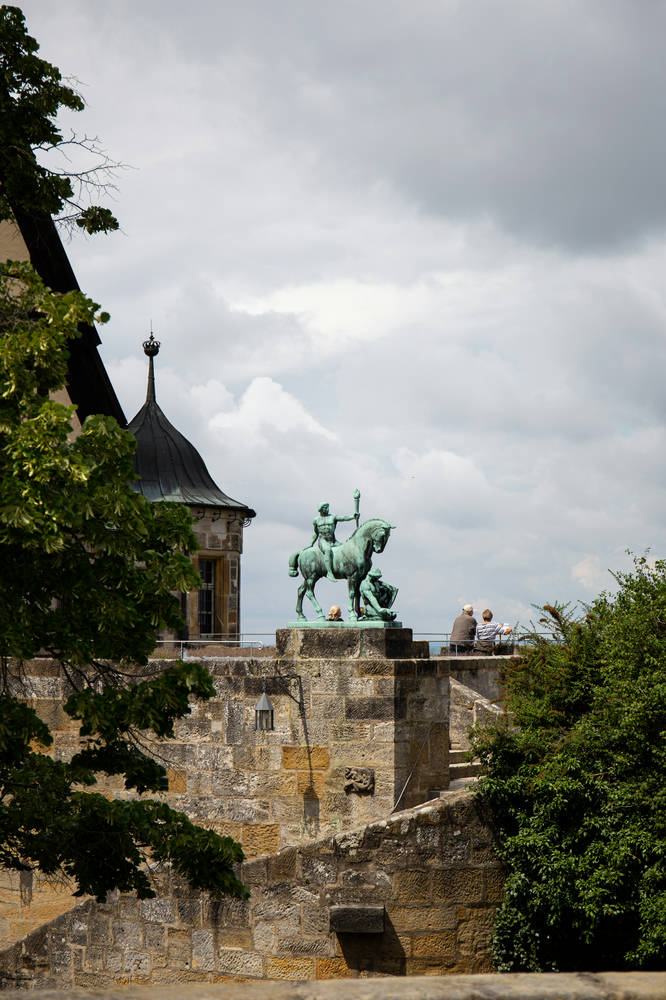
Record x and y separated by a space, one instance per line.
487 632
335 614
462 633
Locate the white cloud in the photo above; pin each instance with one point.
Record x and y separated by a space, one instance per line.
266 408
342 312
591 574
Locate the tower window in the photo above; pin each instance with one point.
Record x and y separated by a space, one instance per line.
206 596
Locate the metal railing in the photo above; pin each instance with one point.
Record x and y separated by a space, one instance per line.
514 642
187 648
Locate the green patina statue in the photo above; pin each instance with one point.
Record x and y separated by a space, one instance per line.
349 560
378 597
324 535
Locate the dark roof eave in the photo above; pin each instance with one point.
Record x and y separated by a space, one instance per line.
190 499
88 383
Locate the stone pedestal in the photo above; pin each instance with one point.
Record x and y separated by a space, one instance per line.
383 706
349 641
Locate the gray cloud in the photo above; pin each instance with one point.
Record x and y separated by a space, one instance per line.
416 248
545 118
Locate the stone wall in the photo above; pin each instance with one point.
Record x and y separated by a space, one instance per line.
27 901
353 707
268 789
429 874
481 673
467 708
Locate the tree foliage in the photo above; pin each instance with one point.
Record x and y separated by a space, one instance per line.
88 571
32 92
576 785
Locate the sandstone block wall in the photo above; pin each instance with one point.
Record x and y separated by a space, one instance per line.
219 535
481 673
27 901
467 708
433 869
268 789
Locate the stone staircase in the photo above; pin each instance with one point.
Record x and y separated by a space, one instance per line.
468 707
461 767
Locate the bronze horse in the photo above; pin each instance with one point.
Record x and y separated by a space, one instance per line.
351 561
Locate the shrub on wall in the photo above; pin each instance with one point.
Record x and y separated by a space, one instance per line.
576 784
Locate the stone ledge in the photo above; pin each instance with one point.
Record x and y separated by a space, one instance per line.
510 986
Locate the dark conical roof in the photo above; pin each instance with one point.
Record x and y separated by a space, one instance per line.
167 466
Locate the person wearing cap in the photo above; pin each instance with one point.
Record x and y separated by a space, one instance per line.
463 631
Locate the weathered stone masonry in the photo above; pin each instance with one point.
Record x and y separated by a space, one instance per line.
433 869
373 707
348 705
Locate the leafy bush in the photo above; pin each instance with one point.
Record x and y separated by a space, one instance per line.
575 781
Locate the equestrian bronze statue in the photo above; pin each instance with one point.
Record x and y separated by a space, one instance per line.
350 560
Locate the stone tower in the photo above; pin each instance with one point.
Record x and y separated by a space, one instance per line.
168 467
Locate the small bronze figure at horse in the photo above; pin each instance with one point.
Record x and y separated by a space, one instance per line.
351 561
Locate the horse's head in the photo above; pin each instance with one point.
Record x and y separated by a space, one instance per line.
380 535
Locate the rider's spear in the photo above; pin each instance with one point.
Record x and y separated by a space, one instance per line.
357 497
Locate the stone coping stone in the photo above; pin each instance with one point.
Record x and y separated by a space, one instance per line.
509 986
346 643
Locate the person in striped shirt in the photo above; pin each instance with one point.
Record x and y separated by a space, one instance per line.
487 632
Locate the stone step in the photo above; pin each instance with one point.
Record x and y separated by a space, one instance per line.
460 756
467 769
458 785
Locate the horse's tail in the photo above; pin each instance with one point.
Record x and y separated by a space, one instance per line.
293 563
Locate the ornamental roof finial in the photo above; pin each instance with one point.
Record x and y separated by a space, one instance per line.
151 348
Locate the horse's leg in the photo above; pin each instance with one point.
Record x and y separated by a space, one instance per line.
352 588
310 582
299 603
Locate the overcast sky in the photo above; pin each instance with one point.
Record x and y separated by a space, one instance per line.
414 246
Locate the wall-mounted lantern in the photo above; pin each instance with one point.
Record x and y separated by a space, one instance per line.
263 713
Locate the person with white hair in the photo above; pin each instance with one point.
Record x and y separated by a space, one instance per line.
463 632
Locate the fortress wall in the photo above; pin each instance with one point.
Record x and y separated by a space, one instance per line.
430 876
268 789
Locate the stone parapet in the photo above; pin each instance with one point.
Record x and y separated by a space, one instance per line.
467 708
483 674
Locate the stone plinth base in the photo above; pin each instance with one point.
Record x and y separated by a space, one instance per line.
349 642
